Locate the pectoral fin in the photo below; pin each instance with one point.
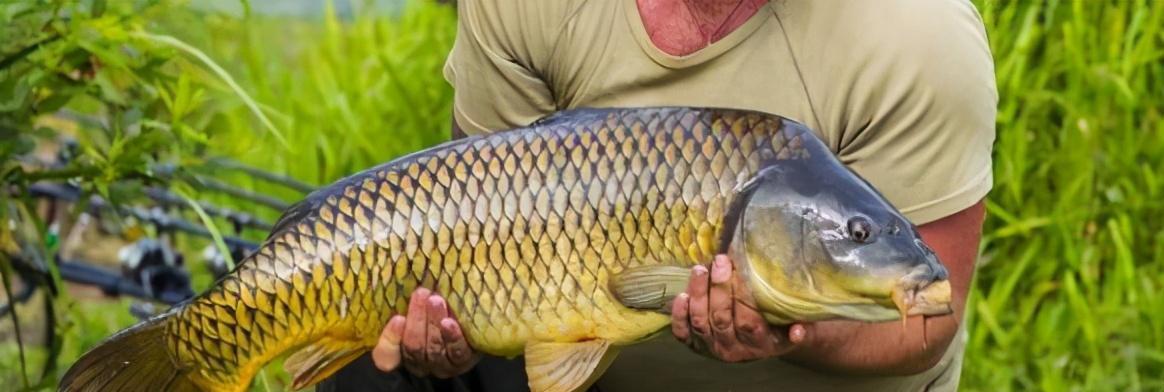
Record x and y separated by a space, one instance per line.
316 361
566 367
650 287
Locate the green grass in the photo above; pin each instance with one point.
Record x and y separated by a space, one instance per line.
347 96
1068 292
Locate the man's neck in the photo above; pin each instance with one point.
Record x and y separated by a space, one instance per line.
682 27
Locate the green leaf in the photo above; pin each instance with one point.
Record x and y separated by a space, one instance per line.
98 8
210 225
17 98
218 70
55 101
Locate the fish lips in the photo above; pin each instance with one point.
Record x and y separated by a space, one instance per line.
929 299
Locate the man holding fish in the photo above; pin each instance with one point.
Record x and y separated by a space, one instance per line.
902 91
826 159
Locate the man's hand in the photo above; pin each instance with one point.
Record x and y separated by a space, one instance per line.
428 340
717 317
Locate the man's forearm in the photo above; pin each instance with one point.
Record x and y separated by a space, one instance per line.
858 348
887 348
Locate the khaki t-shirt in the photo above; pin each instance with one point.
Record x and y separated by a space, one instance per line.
903 91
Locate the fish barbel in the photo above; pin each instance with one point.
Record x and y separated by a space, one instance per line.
556 241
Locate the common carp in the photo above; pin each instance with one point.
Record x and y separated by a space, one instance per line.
560 241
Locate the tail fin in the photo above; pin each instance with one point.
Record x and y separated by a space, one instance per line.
134 359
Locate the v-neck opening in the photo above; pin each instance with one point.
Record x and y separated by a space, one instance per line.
735 37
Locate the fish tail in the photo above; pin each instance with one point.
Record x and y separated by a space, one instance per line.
135 359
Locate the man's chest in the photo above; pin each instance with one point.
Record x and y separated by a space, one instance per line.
615 65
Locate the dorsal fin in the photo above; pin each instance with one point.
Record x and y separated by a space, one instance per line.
576 115
293 214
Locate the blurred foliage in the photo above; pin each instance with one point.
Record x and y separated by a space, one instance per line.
128 100
346 94
128 94
1067 295
153 92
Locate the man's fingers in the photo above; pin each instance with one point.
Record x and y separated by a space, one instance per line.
797 334
750 326
435 346
679 322
415 327
386 354
716 316
457 349
720 301
784 340
697 307
427 340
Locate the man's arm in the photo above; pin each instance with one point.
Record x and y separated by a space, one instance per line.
701 317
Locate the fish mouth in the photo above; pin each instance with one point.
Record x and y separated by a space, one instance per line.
926 299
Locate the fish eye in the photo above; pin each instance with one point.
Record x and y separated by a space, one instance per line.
861 230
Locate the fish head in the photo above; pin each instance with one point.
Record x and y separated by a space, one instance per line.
816 242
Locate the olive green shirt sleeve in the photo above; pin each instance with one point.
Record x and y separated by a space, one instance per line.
496 60
918 121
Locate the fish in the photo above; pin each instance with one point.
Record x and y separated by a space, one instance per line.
560 241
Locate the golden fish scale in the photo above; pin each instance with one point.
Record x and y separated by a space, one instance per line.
519 231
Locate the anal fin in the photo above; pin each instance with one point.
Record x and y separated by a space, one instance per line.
316 361
649 287
566 367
